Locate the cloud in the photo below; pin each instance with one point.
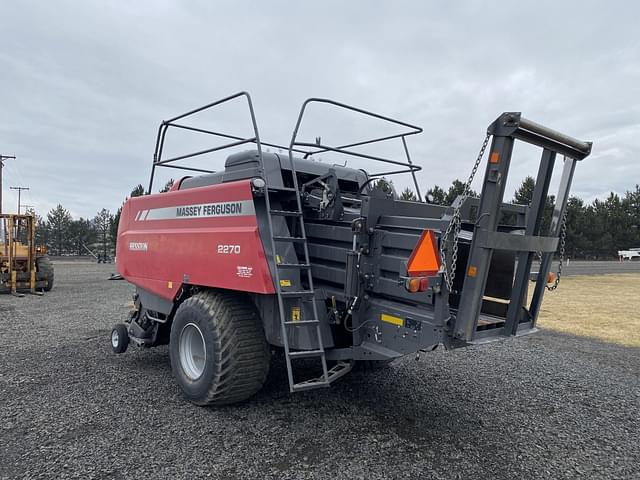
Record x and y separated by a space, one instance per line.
85 84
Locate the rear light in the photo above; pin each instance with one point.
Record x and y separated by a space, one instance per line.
416 284
412 284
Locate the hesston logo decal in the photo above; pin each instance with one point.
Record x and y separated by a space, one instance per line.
204 210
138 246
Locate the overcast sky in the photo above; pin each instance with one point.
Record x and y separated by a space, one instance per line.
84 84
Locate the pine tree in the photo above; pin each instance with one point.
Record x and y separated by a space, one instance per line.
524 194
167 186
436 195
408 194
59 221
103 222
455 190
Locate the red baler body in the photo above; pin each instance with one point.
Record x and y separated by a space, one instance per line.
206 236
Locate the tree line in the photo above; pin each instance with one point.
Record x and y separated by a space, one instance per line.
595 230
97 236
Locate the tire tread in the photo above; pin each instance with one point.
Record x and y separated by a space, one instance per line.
242 354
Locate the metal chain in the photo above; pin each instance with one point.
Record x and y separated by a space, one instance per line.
563 241
455 224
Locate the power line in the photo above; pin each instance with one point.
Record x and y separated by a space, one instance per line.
20 189
2 158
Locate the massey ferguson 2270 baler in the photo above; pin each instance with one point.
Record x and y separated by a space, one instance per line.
325 262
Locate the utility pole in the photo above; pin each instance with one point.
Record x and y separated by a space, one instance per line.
19 192
2 158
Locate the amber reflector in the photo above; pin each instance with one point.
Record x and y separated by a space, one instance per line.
424 260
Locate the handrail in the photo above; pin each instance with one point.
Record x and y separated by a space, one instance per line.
165 124
306 149
345 149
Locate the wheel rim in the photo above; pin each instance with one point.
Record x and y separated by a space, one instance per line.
193 354
115 338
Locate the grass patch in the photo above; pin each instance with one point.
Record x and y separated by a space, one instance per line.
606 307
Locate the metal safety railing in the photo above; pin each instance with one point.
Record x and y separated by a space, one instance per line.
306 149
159 161
347 149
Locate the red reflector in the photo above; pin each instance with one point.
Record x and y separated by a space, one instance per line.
424 260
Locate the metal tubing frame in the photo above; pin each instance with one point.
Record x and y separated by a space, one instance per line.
477 268
164 126
231 137
520 128
345 149
555 230
534 222
312 148
506 129
208 150
554 135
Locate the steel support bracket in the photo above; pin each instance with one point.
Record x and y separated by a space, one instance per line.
519 243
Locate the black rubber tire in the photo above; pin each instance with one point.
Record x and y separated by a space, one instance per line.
44 271
122 332
237 353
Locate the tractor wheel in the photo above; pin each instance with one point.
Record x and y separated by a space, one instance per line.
219 353
44 271
119 338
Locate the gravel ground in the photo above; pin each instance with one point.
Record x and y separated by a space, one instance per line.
543 406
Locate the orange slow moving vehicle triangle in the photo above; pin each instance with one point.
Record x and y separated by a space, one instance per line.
424 260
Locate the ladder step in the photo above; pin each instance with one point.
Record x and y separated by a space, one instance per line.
310 385
301 322
279 238
294 265
298 293
337 371
286 213
306 354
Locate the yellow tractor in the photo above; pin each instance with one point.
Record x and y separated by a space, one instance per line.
23 265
